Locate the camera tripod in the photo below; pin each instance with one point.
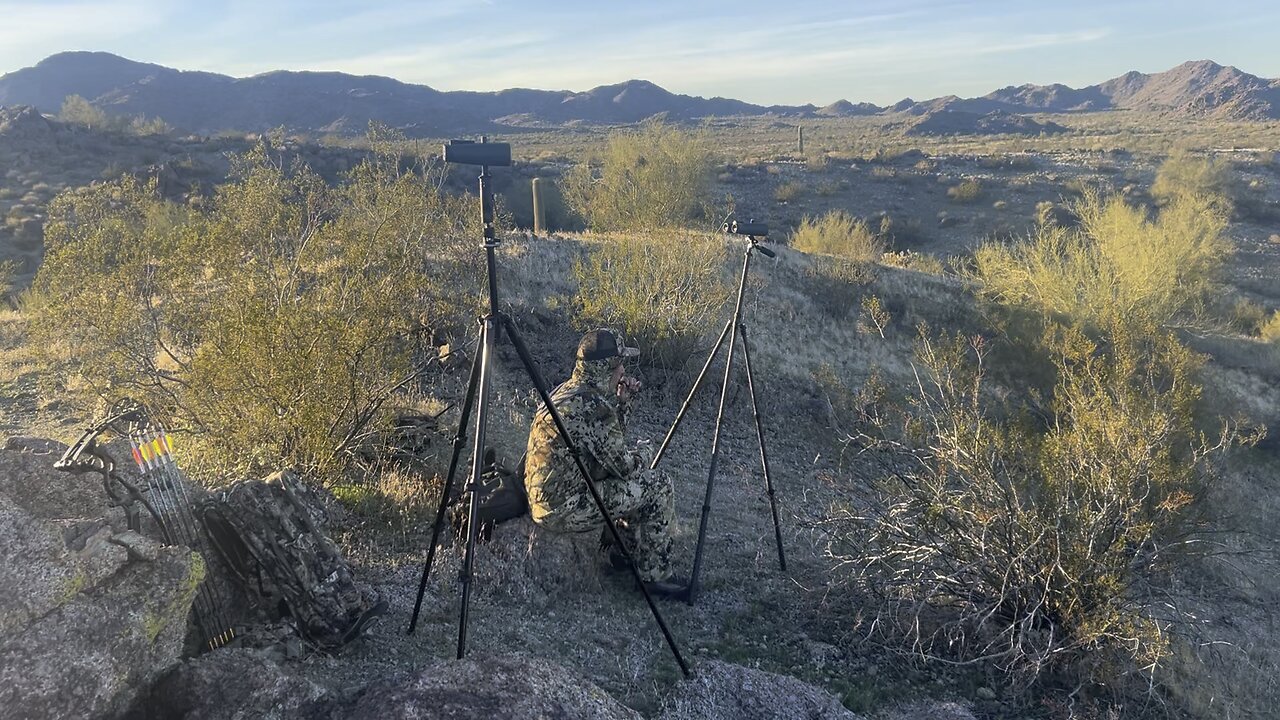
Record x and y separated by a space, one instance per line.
486 154
735 327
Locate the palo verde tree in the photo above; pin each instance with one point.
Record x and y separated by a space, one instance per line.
656 177
1042 529
273 321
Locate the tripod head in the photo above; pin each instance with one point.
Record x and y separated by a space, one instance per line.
484 154
754 231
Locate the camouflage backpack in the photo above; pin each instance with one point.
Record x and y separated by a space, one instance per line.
268 533
501 498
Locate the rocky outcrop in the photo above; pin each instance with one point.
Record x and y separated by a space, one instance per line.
724 691
90 611
242 683
499 688
228 685
23 122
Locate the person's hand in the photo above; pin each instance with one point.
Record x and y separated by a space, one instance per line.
627 387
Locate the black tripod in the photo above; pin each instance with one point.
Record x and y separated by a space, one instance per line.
753 231
486 154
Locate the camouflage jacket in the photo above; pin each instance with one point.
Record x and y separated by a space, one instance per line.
594 417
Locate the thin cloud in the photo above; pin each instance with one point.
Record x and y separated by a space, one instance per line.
29 26
681 66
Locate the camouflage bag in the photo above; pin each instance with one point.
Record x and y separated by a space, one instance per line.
268 533
502 498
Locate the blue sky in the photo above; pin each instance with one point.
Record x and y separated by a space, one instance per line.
789 51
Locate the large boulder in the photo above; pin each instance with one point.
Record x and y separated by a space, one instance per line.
231 684
724 691
23 122
497 688
89 611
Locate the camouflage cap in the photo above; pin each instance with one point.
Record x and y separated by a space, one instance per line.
603 344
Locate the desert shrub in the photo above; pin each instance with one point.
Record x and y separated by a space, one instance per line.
272 322
788 191
874 317
838 233
142 125
899 232
8 270
1270 331
912 260
968 191
1246 316
1183 175
1079 186
1118 261
661 292
79 111
1045 549
656 177
827 188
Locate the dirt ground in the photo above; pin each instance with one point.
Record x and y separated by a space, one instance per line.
549 595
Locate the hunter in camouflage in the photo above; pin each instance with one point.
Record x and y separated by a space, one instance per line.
593 403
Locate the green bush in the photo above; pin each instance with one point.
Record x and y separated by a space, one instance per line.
272 322
655 177
1246 316
1183 175
1270 331
1118 261
8 270
661 292
817 162
788 191
840 234
79 111
968 191
912 260
1047 550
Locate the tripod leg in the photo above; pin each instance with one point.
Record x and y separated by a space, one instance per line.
711 469
764 456
702 374
477 466
459 440
531 369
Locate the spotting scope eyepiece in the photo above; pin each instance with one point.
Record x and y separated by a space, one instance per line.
470 152
750 227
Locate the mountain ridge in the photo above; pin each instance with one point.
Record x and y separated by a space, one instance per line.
327 101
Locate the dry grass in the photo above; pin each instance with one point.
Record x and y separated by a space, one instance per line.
839 234
1270 331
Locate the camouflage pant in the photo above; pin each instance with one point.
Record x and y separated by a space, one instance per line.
645 503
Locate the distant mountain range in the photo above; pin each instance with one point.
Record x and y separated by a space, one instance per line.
340 103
